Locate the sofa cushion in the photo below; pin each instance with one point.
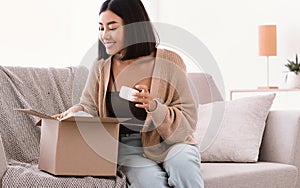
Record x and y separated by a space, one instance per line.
26 175
233 130
204 88
248 175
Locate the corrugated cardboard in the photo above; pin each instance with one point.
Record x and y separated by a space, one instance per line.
78 146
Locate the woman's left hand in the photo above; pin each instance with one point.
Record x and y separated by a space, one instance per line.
143 97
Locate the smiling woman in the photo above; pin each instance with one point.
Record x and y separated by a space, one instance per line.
157 147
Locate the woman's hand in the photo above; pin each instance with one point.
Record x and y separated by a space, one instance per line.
73 109
144 98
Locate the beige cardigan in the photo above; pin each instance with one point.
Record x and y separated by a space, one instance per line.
173 121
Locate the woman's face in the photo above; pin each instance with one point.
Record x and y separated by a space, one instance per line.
111 32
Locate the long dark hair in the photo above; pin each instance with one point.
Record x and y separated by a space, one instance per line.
140 38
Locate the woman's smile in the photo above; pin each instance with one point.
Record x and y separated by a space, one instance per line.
109 44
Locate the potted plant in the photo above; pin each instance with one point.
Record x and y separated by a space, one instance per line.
293 76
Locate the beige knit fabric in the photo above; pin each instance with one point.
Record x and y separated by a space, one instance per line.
174 120
49 90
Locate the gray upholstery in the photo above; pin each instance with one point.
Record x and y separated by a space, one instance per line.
281 143
26 175
249 175
204 88
3 163
281 137
280 149
53 90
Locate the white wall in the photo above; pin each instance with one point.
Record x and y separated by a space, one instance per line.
47 33
59 33
230 30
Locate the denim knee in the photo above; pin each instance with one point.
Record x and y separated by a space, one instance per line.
182 165
146 176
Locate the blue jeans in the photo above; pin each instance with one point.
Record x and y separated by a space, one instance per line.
181 168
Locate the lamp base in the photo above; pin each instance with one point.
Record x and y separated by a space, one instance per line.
267 87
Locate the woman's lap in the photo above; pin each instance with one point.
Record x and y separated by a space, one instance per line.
143 172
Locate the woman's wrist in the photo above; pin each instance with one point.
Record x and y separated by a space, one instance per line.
76 108
152 105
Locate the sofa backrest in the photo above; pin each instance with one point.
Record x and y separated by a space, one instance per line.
49 90
204 88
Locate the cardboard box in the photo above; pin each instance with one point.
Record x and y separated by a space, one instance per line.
78 146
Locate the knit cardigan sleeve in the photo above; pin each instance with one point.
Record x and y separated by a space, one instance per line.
175 117
89 97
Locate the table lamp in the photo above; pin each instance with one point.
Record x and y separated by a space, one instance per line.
267 47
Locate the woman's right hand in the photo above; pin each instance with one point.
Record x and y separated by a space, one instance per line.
73 109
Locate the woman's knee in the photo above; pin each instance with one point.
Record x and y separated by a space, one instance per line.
146 174
183 166
183 154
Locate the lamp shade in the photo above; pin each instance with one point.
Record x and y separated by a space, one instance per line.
267 40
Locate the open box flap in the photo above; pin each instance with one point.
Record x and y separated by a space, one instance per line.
94 119
35 113
75 118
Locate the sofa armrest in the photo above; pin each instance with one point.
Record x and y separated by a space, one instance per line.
3 162
281 140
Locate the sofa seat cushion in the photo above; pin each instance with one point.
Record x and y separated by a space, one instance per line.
248 175
27 175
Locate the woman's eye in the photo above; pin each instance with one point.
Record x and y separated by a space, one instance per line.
101 28
112 29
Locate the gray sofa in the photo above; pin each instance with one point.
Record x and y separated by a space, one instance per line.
53 90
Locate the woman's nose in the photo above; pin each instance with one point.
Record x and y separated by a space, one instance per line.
105 34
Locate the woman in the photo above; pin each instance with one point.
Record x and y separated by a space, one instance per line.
162 152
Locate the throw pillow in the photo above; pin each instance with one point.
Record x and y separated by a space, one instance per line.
232 131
